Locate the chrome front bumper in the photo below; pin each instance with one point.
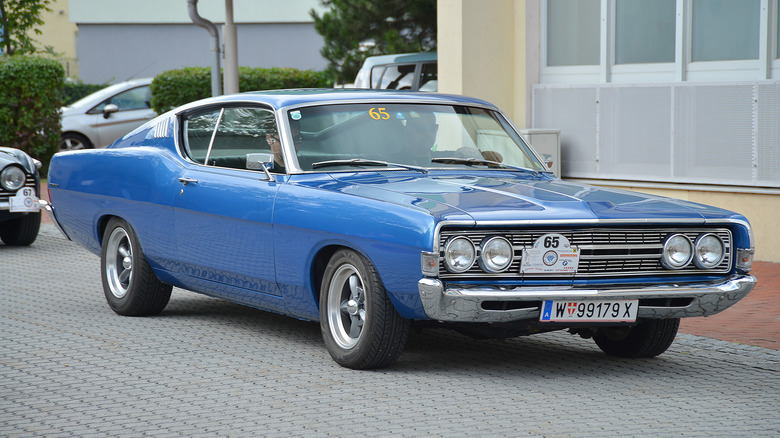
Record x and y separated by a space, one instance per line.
466 303
50 212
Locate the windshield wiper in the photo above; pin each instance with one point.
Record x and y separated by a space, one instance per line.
474 161
364 162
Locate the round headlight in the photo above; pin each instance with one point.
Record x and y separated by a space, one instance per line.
678 251
459 254
12 178
709 251
496 255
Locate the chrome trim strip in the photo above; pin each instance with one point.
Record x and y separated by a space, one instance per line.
464 304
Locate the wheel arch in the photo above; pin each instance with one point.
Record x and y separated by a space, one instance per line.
320 262
102 224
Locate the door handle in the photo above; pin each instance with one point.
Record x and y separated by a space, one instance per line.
186 181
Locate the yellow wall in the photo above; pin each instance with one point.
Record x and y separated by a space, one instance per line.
481 52
59 33
761 210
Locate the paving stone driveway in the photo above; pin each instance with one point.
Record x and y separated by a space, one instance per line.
70 367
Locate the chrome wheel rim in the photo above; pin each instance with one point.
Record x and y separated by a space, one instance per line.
71 144
346 306
119 262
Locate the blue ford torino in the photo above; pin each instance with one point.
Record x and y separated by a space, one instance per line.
373 211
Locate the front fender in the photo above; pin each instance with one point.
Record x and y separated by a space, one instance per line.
390 236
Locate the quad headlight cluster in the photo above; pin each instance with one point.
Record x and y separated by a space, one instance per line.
12 178
495 255
706 252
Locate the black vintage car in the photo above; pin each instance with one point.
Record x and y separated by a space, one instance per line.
20 212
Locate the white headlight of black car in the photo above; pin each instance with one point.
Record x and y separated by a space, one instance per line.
459 254
12 178
709 251
678 251
497 254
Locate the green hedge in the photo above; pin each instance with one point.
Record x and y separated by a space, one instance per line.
75 90
30 101
177 87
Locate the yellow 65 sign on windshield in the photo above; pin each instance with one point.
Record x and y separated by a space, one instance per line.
378 114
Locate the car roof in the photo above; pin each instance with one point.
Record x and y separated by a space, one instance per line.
297 97
400 58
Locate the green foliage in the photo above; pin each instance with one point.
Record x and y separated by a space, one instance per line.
394 26
74 91
30 101
177 87
17 19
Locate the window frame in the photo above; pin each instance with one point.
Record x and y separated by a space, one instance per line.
188 113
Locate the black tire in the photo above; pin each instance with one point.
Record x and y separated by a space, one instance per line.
646 339
360 326
72 141
130 285
21 231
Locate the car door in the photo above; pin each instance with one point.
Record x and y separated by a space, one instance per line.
223 212
134 109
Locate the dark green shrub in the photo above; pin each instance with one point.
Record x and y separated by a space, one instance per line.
74 91
30 101
177 87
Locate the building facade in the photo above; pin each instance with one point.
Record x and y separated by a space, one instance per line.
674 97
119 40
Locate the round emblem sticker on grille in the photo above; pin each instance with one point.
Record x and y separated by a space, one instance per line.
550 257
550 254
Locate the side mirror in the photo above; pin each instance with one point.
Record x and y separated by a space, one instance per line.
109 109
261 161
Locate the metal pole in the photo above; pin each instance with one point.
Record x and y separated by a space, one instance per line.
216 83
230 38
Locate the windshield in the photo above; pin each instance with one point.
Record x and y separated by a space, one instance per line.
341 137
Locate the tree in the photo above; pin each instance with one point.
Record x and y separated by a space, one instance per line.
388 26
17 19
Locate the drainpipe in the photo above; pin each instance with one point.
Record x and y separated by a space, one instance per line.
216 87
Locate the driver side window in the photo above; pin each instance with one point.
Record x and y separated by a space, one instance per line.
222 137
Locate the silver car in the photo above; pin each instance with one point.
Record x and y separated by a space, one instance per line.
95 121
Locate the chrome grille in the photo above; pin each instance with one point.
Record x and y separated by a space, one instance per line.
613 252
5 194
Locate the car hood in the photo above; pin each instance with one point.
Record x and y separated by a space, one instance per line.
509 196
69 111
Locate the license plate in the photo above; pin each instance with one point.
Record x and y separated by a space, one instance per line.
24 201
589 310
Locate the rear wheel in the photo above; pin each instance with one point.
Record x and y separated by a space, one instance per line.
359 324
646 339
130 285
21 231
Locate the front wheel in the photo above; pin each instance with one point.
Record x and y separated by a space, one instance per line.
21 231
359 324
646 339
130 285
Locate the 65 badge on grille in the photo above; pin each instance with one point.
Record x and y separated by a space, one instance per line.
550 253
